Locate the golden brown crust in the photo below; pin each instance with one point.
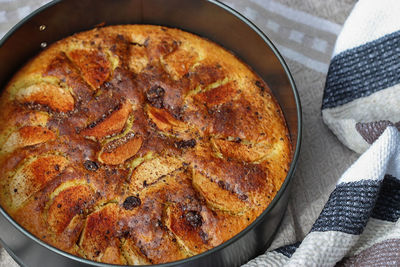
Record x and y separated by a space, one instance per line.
139 144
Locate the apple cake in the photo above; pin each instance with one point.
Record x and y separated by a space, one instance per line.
139 144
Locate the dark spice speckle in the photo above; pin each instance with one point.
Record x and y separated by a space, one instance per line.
260 85
91 165
194 218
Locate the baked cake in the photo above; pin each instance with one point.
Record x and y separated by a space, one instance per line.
139 144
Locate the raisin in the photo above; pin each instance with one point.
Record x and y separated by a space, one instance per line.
131 202
194 218
155 95
91 165
185 143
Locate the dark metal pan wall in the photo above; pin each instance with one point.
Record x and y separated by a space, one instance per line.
206 18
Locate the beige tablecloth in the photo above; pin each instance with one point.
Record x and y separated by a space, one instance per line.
305 32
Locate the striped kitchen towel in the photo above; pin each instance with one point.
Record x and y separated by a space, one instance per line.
359 225
362 92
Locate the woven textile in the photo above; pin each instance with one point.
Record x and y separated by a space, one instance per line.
359 225
363 83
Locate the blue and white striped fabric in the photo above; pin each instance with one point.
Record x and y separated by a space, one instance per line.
359 225
363 83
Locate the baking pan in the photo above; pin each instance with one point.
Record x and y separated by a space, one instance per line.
207 18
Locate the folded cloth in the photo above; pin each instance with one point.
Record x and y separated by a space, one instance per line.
362 91
359 225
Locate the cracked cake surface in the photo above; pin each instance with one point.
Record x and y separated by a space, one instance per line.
139 144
